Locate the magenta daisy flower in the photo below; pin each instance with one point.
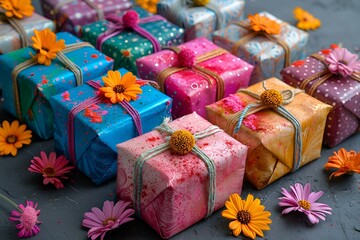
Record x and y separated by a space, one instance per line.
342 61
111 217
301 199
52 169
28 218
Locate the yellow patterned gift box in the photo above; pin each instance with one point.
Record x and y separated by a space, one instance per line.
282 126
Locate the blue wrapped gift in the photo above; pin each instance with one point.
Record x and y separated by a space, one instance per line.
94 141
36 84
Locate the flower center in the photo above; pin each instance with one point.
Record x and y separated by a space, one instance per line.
126 53
108 221
49 171
11 139
243 216
119 88
29 217
304 204
343 62
182 142
271 98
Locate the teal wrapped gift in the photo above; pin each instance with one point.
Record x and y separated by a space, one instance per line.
88 126
132 35
26 96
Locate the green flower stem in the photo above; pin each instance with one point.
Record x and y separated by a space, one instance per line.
10 202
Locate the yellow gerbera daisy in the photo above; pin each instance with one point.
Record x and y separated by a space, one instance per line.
248 216
13 137
119 88
17 8
149 5
306 20
46 45
262 23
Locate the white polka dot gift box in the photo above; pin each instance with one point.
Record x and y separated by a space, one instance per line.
71 15
282 126
332 76
195 74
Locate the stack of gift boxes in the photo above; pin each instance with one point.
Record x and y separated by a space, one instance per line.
209 108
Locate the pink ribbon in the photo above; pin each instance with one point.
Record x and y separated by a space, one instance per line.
129 20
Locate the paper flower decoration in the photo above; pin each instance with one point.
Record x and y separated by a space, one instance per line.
261 23
306 21
111 217
344 162
301 199
17 8
13 137
248 216
342 61
149 5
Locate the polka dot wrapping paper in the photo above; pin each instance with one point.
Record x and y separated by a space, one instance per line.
95 141
72 15
37 84
267 56
201 21
337 91
270 136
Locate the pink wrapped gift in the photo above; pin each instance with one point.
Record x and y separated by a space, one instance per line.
175 189
192 89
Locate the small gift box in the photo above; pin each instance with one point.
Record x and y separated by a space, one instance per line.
135 34
285 136
201 18
30 76
88 125
179 173
333 77
71 15
264 41
195 74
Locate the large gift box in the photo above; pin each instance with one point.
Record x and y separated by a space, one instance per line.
140 34
342 92
27 93
89 137
268 52
195 74
201 18
174 191
281 138
71 15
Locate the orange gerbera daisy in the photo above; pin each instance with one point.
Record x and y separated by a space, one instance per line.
17 8
46 45
119 88
149 5
13 137
306 20
344 161
248 216
262 23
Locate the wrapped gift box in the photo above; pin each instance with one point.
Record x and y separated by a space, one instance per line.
189 89
71 15
174 192
266 55
342 93
201 21
95 142
269 136
128 46
38 83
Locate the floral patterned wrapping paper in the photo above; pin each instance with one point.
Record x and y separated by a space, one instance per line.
199 21
189 90
175 188
75 14
128 46
269 136
341 93
267 56
95 142
38 83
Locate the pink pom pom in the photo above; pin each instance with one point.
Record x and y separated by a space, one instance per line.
130 18
186 58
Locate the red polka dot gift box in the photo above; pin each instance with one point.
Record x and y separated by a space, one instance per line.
332 76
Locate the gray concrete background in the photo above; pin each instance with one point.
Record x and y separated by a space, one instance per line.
62 210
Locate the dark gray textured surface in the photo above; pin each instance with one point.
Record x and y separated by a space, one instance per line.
62 210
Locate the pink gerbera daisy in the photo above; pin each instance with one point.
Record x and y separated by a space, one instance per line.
301 199
52 169
342 61
111 217
28 218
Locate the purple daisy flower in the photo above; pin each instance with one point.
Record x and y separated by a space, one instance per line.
301 199
342 61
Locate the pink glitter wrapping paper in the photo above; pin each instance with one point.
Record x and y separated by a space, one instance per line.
189 90
175 188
